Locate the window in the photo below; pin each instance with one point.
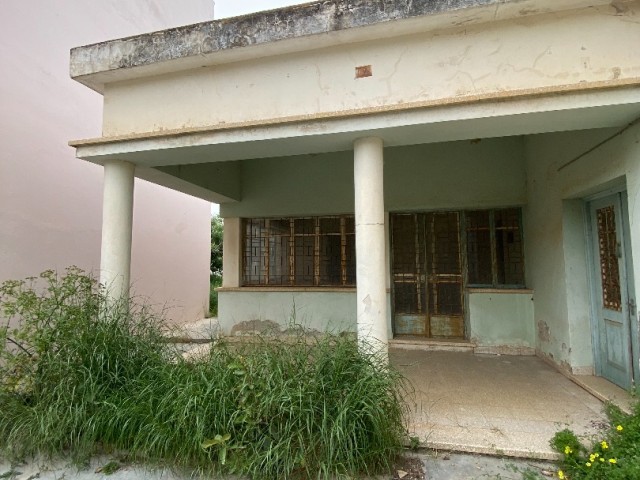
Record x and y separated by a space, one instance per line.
495 255
308 251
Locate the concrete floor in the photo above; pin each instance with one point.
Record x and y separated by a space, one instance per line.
506 405
491 404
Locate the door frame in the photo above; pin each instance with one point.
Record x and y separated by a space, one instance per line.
463 269
634 341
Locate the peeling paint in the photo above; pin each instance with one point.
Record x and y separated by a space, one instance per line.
544 333
252 327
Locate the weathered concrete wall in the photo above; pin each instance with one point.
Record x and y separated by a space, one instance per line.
240 311
254 29
500 322
453 175
50 203
502 319
555 231
498 58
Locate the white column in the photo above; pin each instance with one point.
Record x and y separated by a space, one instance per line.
231 251
370 242
117 224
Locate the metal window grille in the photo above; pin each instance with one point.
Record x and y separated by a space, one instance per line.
306 251
495 250
608 250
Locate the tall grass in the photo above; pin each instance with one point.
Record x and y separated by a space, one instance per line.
77 376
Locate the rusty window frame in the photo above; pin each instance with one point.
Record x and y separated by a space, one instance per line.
499 264
263 251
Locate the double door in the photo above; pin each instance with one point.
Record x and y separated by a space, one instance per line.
427 275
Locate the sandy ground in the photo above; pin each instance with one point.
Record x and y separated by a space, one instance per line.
425 465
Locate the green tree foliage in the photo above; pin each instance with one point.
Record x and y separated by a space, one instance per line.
217 227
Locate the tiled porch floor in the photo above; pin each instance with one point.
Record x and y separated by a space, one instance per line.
510 405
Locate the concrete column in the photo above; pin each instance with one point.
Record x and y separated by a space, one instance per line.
370 242
117 224
231 250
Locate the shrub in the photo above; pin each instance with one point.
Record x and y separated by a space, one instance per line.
614 456
78 374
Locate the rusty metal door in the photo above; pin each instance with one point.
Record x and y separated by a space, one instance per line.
427 274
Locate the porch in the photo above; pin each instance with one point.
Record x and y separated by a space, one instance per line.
498 404
492 404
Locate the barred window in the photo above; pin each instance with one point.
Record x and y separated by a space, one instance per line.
495 254
307 251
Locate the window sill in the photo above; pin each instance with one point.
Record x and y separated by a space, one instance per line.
500 290
282 289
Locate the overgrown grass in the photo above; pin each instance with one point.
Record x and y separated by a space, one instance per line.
78 376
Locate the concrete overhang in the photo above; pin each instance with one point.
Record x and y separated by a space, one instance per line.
520 114
298 28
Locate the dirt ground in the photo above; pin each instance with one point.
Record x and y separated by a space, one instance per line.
424 465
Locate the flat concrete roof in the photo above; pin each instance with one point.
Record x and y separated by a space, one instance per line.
296 28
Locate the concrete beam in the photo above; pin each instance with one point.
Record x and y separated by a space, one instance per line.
158 177
526 113
220 177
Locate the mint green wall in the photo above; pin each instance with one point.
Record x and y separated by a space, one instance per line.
465 174
315 310
555 230
502 319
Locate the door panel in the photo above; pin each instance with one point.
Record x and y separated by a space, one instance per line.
444 268
613 356
427 274
409 287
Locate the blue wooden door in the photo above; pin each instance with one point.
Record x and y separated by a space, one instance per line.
611 295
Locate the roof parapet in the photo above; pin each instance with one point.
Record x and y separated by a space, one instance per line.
321 23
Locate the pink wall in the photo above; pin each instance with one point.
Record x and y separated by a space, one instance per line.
50 202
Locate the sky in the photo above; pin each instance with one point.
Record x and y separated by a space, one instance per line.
232 8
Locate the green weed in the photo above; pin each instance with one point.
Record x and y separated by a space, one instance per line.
616 455
78 375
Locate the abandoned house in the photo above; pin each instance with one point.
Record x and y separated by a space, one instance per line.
417 171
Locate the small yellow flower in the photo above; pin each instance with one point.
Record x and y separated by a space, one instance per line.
593 457
613 460
567 450
604 445
588 464
601 459
560 474
619 428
